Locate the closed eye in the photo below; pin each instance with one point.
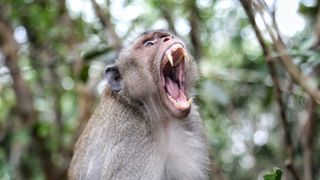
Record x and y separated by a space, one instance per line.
150 42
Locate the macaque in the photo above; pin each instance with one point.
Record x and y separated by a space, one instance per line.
146 126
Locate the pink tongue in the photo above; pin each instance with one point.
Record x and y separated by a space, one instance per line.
172 88
174 91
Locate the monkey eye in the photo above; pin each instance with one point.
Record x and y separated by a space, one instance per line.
150 42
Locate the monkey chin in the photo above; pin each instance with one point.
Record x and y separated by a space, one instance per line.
172 84
178 113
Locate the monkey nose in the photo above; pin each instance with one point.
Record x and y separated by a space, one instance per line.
167 38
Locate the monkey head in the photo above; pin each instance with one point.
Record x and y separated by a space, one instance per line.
156 65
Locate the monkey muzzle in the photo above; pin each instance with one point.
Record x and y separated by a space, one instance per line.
173 78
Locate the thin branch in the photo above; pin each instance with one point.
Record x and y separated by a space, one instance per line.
105 20
309 128
308 139
278 93
195 30
168 16
307 83
24 99
317 29
9 48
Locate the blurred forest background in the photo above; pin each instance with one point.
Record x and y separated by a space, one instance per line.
258 92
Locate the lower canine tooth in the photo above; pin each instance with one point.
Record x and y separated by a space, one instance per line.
190 101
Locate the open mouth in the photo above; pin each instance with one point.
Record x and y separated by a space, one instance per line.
173 77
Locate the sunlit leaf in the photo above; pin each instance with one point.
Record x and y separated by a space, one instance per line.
275 174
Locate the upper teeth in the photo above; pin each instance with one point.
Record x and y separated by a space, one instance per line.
180 58
169 56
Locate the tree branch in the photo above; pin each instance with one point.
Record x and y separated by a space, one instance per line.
105 20
308 138
307 83
168 16
9 48
195 31
278 94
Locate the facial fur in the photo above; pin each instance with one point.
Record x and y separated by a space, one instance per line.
146 61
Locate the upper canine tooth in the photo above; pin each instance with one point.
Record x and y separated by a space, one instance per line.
169 56
184 52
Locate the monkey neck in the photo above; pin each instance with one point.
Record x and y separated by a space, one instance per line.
155 109
156 113
151 110
132 103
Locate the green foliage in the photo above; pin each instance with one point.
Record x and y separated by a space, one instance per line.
84 73
66 52
93 54
275 174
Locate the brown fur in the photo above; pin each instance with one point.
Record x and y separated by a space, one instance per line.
132 135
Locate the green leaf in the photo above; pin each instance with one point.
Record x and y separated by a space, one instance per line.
84 74
90 55
275 174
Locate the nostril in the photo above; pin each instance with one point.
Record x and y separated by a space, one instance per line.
166 39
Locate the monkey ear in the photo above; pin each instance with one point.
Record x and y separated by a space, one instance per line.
112 75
